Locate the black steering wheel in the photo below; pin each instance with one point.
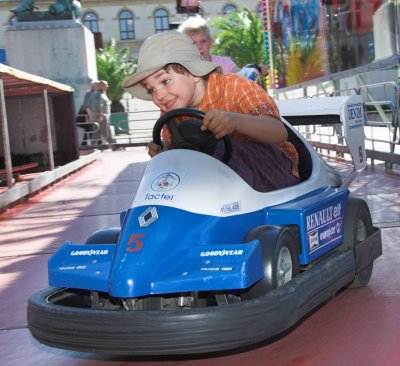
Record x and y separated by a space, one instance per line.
188 135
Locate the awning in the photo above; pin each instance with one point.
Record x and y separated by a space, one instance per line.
18 83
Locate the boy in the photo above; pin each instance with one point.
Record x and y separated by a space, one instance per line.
172 73
197 29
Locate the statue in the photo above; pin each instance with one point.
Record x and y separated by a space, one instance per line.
60 9
26 5
61 6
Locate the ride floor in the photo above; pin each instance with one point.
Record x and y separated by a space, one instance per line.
358 327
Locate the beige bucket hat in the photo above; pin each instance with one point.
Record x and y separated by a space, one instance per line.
160 50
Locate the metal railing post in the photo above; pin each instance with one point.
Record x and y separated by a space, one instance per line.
5 137
49 136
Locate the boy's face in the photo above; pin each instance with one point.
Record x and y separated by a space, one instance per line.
203 43
170 90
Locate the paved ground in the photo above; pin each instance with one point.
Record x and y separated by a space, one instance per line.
359 327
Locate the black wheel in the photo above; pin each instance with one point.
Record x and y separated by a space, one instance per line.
358 227
283 264
66 318
187 135
104 236
280 258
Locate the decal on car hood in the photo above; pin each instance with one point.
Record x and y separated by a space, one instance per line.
148 216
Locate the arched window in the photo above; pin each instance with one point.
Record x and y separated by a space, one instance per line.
126 26
229 8
90 21
161 20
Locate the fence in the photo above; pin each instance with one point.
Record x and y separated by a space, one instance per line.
382 138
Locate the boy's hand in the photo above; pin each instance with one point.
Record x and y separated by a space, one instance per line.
219 123
154 149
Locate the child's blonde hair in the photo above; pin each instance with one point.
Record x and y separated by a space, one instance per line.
194 25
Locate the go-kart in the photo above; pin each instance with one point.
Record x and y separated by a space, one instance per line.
204 263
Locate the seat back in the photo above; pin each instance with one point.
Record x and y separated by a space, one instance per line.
305 161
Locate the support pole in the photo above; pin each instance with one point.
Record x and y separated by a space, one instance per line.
5 136
271 56
267 37
49 136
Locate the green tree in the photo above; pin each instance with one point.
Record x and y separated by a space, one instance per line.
239 36
114 66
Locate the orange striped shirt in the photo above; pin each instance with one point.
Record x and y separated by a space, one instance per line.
233 93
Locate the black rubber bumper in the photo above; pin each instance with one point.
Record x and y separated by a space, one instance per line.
192 331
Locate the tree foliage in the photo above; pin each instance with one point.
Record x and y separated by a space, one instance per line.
239 36
114 66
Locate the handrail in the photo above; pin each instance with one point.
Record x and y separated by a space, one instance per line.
382 133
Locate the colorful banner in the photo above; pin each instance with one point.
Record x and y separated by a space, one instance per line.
299 41
312 39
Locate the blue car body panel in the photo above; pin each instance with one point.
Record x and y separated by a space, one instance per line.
194 253
319 216
81 266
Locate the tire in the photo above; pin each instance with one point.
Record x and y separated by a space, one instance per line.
280 252
104 236
358 227
200 330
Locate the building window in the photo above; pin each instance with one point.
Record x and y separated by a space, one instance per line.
126 26
161 21
90 21
229 9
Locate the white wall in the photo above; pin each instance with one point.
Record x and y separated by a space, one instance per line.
27 125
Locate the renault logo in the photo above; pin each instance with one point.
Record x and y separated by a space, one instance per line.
148 216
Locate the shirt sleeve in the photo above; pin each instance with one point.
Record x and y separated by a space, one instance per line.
254 100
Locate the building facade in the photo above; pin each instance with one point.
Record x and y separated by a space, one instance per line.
129 22
312 41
